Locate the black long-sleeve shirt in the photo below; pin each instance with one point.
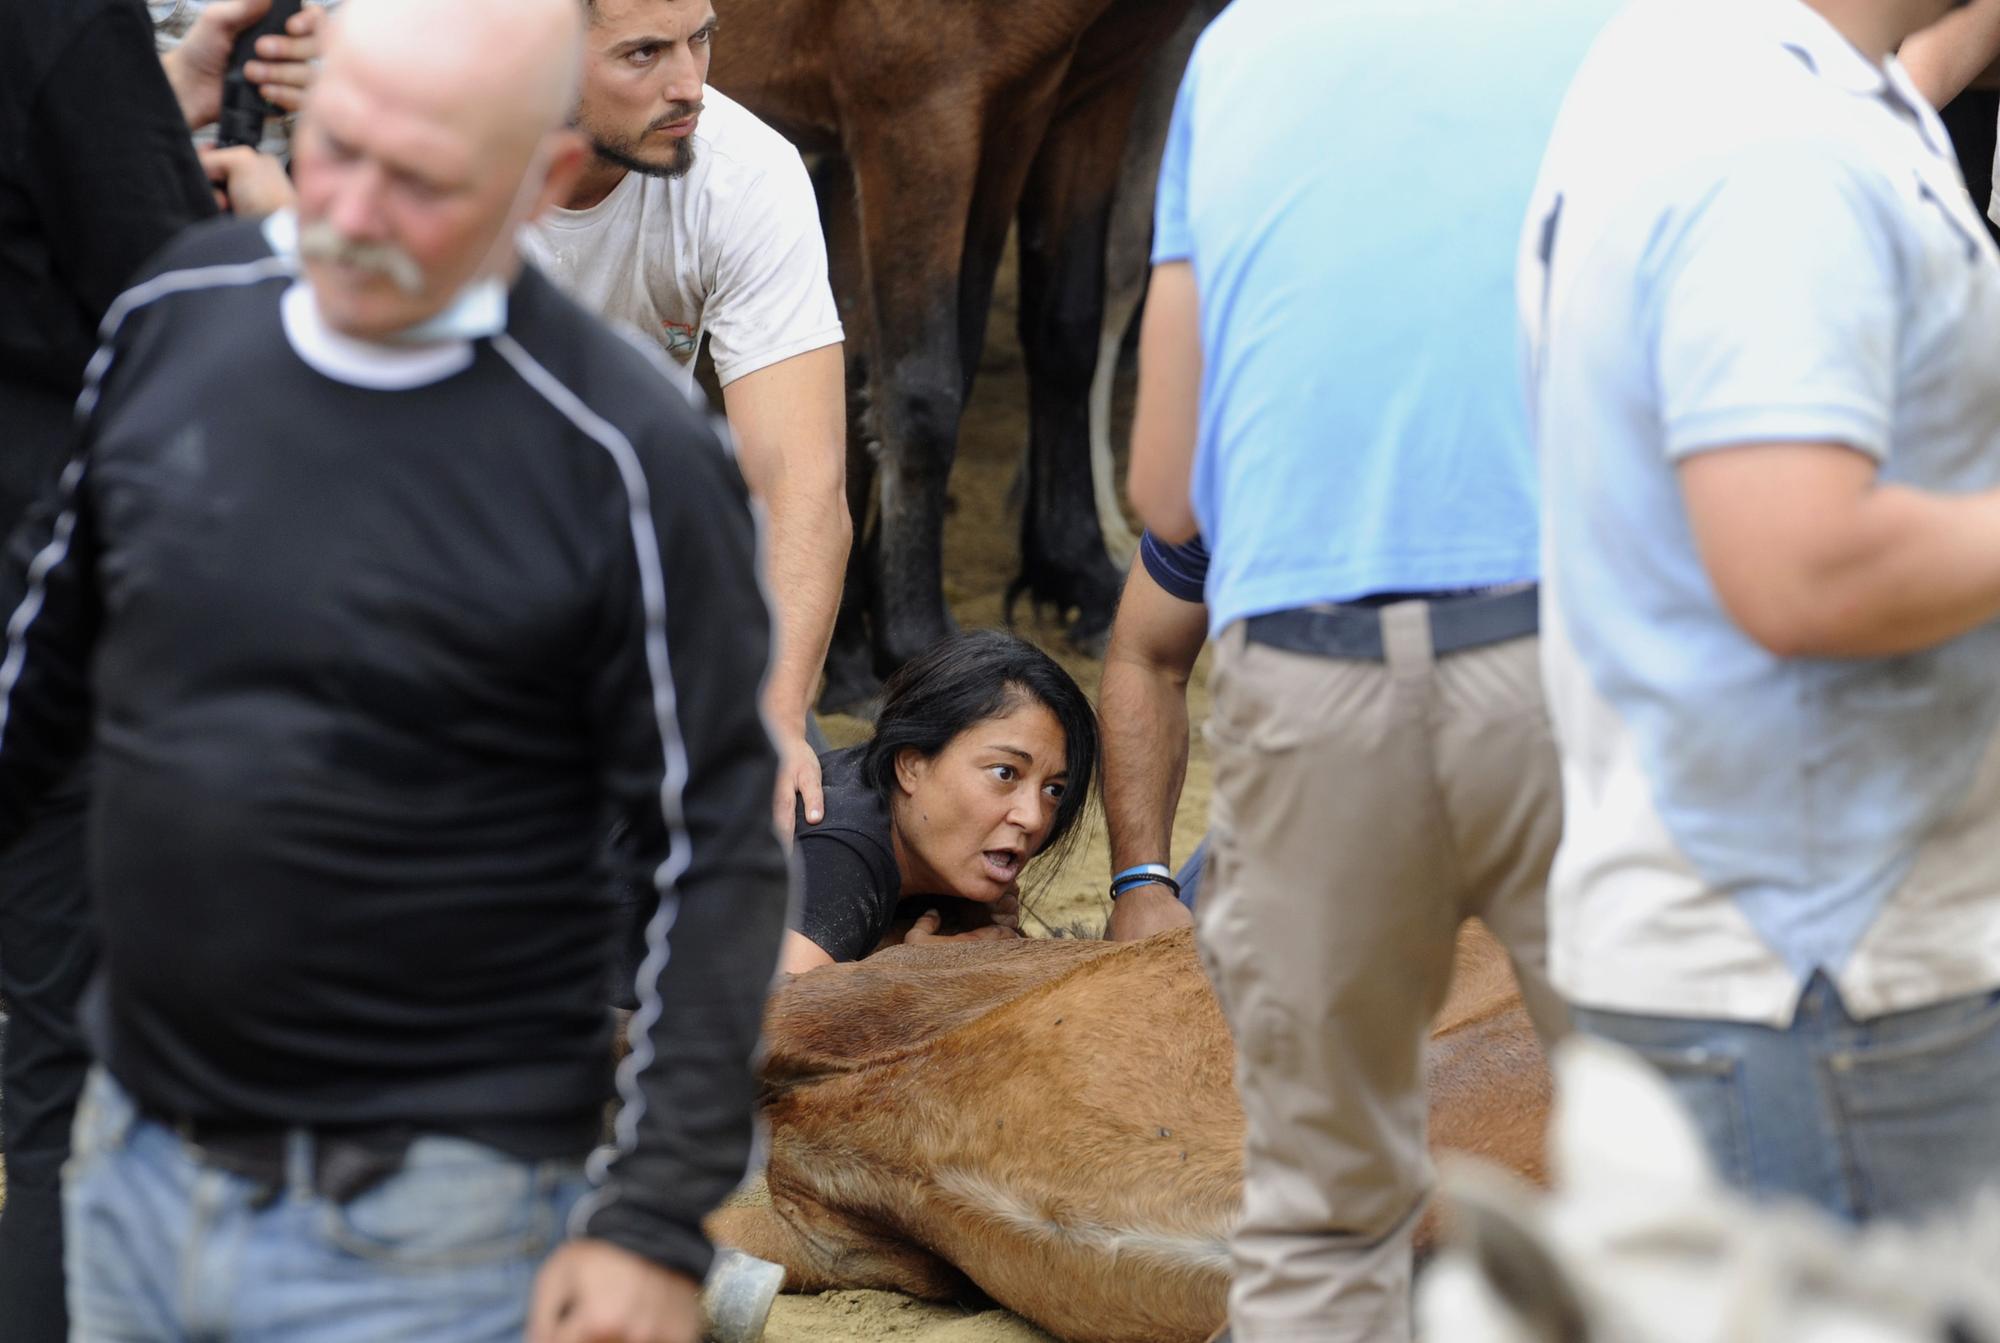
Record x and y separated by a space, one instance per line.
362 668
96 174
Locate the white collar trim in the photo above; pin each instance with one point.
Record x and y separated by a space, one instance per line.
478 310
1822 49
364 363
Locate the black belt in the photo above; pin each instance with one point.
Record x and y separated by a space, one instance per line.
1457 623
347 1163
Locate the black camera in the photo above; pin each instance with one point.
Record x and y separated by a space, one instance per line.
243 108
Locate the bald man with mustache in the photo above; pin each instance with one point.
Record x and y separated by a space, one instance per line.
380 571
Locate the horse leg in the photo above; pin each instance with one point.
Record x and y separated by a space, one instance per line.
1126 271
1128 260
935 194
914 172
822 1249
852 687
1065 218
1003 175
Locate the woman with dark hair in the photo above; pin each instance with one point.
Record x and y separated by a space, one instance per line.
983 759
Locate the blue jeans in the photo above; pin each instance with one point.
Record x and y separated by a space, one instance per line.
165 1248
1191 872
1897 1117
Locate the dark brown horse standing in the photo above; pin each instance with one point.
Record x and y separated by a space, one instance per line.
940 122
1128 257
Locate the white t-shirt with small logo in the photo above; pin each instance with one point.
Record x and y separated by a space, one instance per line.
731 251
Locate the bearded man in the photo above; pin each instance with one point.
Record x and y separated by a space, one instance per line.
694 221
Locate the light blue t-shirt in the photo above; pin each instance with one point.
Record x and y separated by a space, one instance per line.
1781 251
1348 180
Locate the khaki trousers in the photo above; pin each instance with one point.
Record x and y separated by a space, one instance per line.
1362 811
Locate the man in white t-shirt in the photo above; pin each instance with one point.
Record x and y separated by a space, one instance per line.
696 220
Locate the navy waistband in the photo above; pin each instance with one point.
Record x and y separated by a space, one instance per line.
1458 621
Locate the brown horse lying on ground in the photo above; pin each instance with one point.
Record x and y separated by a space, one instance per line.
1054 1124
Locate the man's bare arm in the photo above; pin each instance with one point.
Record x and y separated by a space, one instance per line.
1143 701
1946 58
1813 556
1167 417
790 423
800 954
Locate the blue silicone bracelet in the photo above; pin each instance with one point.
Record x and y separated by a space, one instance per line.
1131 880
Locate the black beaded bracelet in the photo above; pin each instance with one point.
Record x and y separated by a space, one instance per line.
1133 883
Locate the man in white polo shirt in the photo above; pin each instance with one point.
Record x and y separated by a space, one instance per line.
1761 313
696 220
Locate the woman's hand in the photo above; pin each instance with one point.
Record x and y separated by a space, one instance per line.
925 929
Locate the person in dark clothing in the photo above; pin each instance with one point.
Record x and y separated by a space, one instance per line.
90 186
96 174
380 571
983 759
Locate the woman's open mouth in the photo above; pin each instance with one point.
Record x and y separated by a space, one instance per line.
1003 865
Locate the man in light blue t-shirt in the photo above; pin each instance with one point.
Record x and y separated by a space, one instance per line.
1330 392
1762 311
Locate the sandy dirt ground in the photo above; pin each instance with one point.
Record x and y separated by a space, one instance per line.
865 1317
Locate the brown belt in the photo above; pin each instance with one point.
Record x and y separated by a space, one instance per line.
346 1163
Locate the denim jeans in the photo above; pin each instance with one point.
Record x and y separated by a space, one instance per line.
1897 1117
1191 872
163 1247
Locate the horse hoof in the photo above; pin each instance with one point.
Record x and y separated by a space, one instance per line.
858 695
1090 590
898 641
736 1299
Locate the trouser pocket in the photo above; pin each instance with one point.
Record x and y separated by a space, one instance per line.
104 1119
1918 1098
454 1204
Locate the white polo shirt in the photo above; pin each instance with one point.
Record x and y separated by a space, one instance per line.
731 252
1754 234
